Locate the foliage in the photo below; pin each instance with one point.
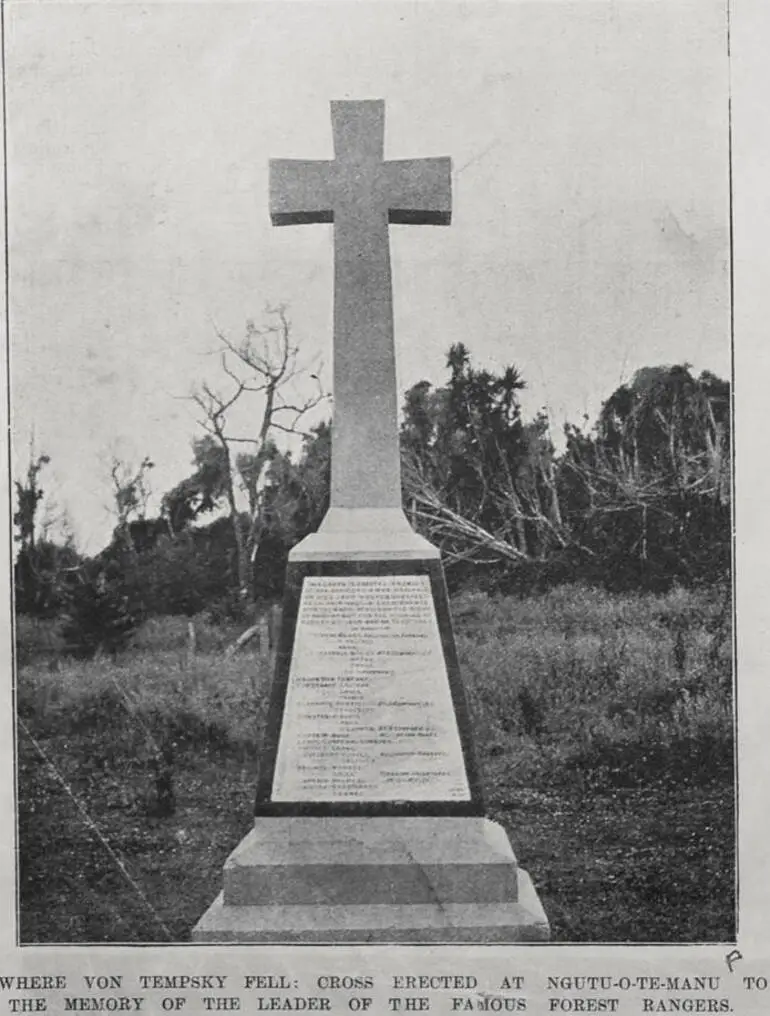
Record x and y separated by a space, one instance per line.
99 616
200 492
43 574
186 571
295 500
640 501
43 570
479 481
131 492
28 497
477 478
648 491
37 640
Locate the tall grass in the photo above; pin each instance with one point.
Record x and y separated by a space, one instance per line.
156 689
580 677
576 676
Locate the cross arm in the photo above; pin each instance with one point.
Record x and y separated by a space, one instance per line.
419 191
301 192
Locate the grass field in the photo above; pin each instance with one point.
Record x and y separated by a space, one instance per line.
603 726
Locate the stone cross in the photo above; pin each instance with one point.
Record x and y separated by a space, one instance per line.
361 194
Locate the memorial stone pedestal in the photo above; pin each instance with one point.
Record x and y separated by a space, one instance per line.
370 819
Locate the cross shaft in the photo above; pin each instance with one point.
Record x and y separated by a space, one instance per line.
361 194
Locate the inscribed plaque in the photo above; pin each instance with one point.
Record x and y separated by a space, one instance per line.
368 713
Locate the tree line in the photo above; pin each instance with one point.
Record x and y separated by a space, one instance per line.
639 500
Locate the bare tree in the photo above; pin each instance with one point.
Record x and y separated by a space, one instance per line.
464 537
28 498
266 365
131 493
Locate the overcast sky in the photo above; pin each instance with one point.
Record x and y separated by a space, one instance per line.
590 189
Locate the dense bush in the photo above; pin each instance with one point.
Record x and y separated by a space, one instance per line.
99 616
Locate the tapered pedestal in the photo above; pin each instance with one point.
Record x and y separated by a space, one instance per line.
363 879
370 819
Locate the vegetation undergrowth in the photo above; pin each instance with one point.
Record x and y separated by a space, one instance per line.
603 725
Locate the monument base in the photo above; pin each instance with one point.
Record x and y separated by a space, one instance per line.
370 879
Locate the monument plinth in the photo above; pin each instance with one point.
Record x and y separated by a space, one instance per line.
370 819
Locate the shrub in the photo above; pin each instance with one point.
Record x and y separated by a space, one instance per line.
36 638
98 618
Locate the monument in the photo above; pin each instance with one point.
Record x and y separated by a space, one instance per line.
370 823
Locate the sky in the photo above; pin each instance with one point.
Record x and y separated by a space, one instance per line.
590 229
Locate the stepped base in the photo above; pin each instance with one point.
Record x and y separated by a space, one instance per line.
459 923
339 879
